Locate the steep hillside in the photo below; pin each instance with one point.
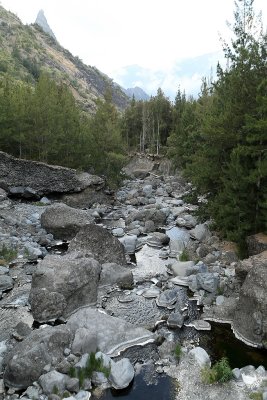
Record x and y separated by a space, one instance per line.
26 50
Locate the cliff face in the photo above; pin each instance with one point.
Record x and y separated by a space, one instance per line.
26 50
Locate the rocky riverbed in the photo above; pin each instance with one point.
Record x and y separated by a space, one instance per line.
129 275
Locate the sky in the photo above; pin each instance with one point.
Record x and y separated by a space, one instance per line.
155 36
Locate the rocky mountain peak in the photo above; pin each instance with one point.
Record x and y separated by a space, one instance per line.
42 22
137 92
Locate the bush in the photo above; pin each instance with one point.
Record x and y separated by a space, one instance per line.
178 351
93 364
256 396
220 372
184 256
7 254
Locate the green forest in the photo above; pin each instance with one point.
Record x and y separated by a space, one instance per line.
218 140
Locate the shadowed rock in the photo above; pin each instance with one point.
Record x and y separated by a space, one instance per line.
104 247
41 178
250 318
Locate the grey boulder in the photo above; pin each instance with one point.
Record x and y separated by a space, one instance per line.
104 247
3 195
187 220
129 242
158 239
112 273
64 222
6 283
250 318
201 357
200 232
62 284
175 320
206 281
52 380
152 214
26 361
121 374
167 298
180 268
93 330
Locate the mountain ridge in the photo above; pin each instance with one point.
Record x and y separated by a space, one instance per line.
26 51
137 92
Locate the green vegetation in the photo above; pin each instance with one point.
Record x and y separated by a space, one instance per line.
255 396
146 124
184 256
177 351
55 390
7 254
220 372
191 197
45 124
93 364
220 139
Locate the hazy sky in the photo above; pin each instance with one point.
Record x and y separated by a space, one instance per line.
155 34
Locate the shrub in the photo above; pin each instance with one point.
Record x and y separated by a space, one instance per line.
95 364
184 256
92 364
8 254
191 197
256 396
178 351
55 390
220 372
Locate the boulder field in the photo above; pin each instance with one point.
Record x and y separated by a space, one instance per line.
87 281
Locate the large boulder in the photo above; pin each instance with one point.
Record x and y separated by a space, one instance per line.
64 222
151 214
62 284
112 273
27 360
34 179
182 268
98 241
243 267
257 243
200 232
121 373
95 330
139 167
89 196
52 380
206 280
250 318
200 355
